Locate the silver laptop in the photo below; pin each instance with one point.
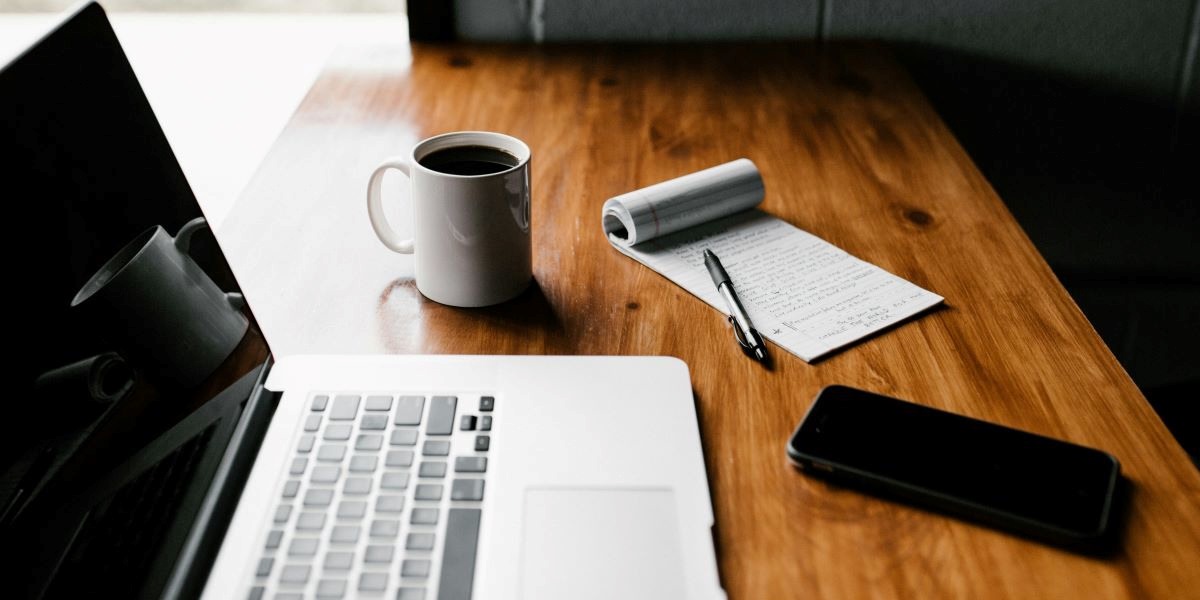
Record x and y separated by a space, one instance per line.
398 477
458 477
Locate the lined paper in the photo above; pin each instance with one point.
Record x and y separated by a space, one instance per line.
803 293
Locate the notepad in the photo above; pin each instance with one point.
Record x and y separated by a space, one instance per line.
803 293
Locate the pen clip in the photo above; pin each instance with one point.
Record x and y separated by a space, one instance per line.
738 335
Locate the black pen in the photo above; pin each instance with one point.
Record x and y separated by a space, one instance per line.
747 336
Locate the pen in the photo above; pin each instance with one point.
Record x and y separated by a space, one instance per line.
747 336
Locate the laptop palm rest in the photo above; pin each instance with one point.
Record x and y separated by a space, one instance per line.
601 543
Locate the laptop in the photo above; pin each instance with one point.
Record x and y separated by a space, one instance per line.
155 449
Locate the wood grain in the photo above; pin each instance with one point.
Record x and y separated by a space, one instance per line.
851 151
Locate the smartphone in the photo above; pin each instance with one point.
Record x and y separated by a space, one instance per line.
1033 485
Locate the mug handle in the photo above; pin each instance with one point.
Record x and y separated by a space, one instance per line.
183 243
183 239
386 234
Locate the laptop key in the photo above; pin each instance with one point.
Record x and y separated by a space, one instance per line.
419 541
372 582
394 481
467 489
441 415
331 452
302 547
257 593
404 437
424 516
487 403
310 520
363 464
345 408
282 513
434 468
369 441
299 464
319 402
482 443
380 553
338 431
339 561
458 555
385 528
291 488
306 443
389 503
485 423
273 539
370 422
436 448
325 474
351 509
345 534
331 589
470 464
410 593
467 423
428 491
399 458
377 403
264 567
408 410
318 497
295 574
414 567
312 423
357 486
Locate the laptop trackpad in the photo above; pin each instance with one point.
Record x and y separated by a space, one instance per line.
601 543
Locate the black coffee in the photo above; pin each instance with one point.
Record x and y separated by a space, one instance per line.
469 160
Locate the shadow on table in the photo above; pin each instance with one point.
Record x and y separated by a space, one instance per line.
527 324
1101 178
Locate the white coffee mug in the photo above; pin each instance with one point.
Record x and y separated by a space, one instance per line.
471 236
161 310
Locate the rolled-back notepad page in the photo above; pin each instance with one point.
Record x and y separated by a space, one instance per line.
683 202
803 293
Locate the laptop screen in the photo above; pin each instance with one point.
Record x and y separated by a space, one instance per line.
117 290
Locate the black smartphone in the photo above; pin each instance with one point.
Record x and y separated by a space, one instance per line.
1033 485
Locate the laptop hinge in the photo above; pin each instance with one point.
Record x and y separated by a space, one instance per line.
208 531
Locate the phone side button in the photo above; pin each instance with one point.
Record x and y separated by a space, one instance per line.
818 466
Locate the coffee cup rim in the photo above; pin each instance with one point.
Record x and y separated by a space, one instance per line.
510 145
141 241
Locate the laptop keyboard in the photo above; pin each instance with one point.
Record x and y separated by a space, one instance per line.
382 499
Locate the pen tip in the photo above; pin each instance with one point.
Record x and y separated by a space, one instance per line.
760 354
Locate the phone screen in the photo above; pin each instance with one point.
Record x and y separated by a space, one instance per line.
951 459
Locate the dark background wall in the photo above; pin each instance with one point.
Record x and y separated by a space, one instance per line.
1083 114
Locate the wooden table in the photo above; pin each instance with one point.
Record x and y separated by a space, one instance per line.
851 151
